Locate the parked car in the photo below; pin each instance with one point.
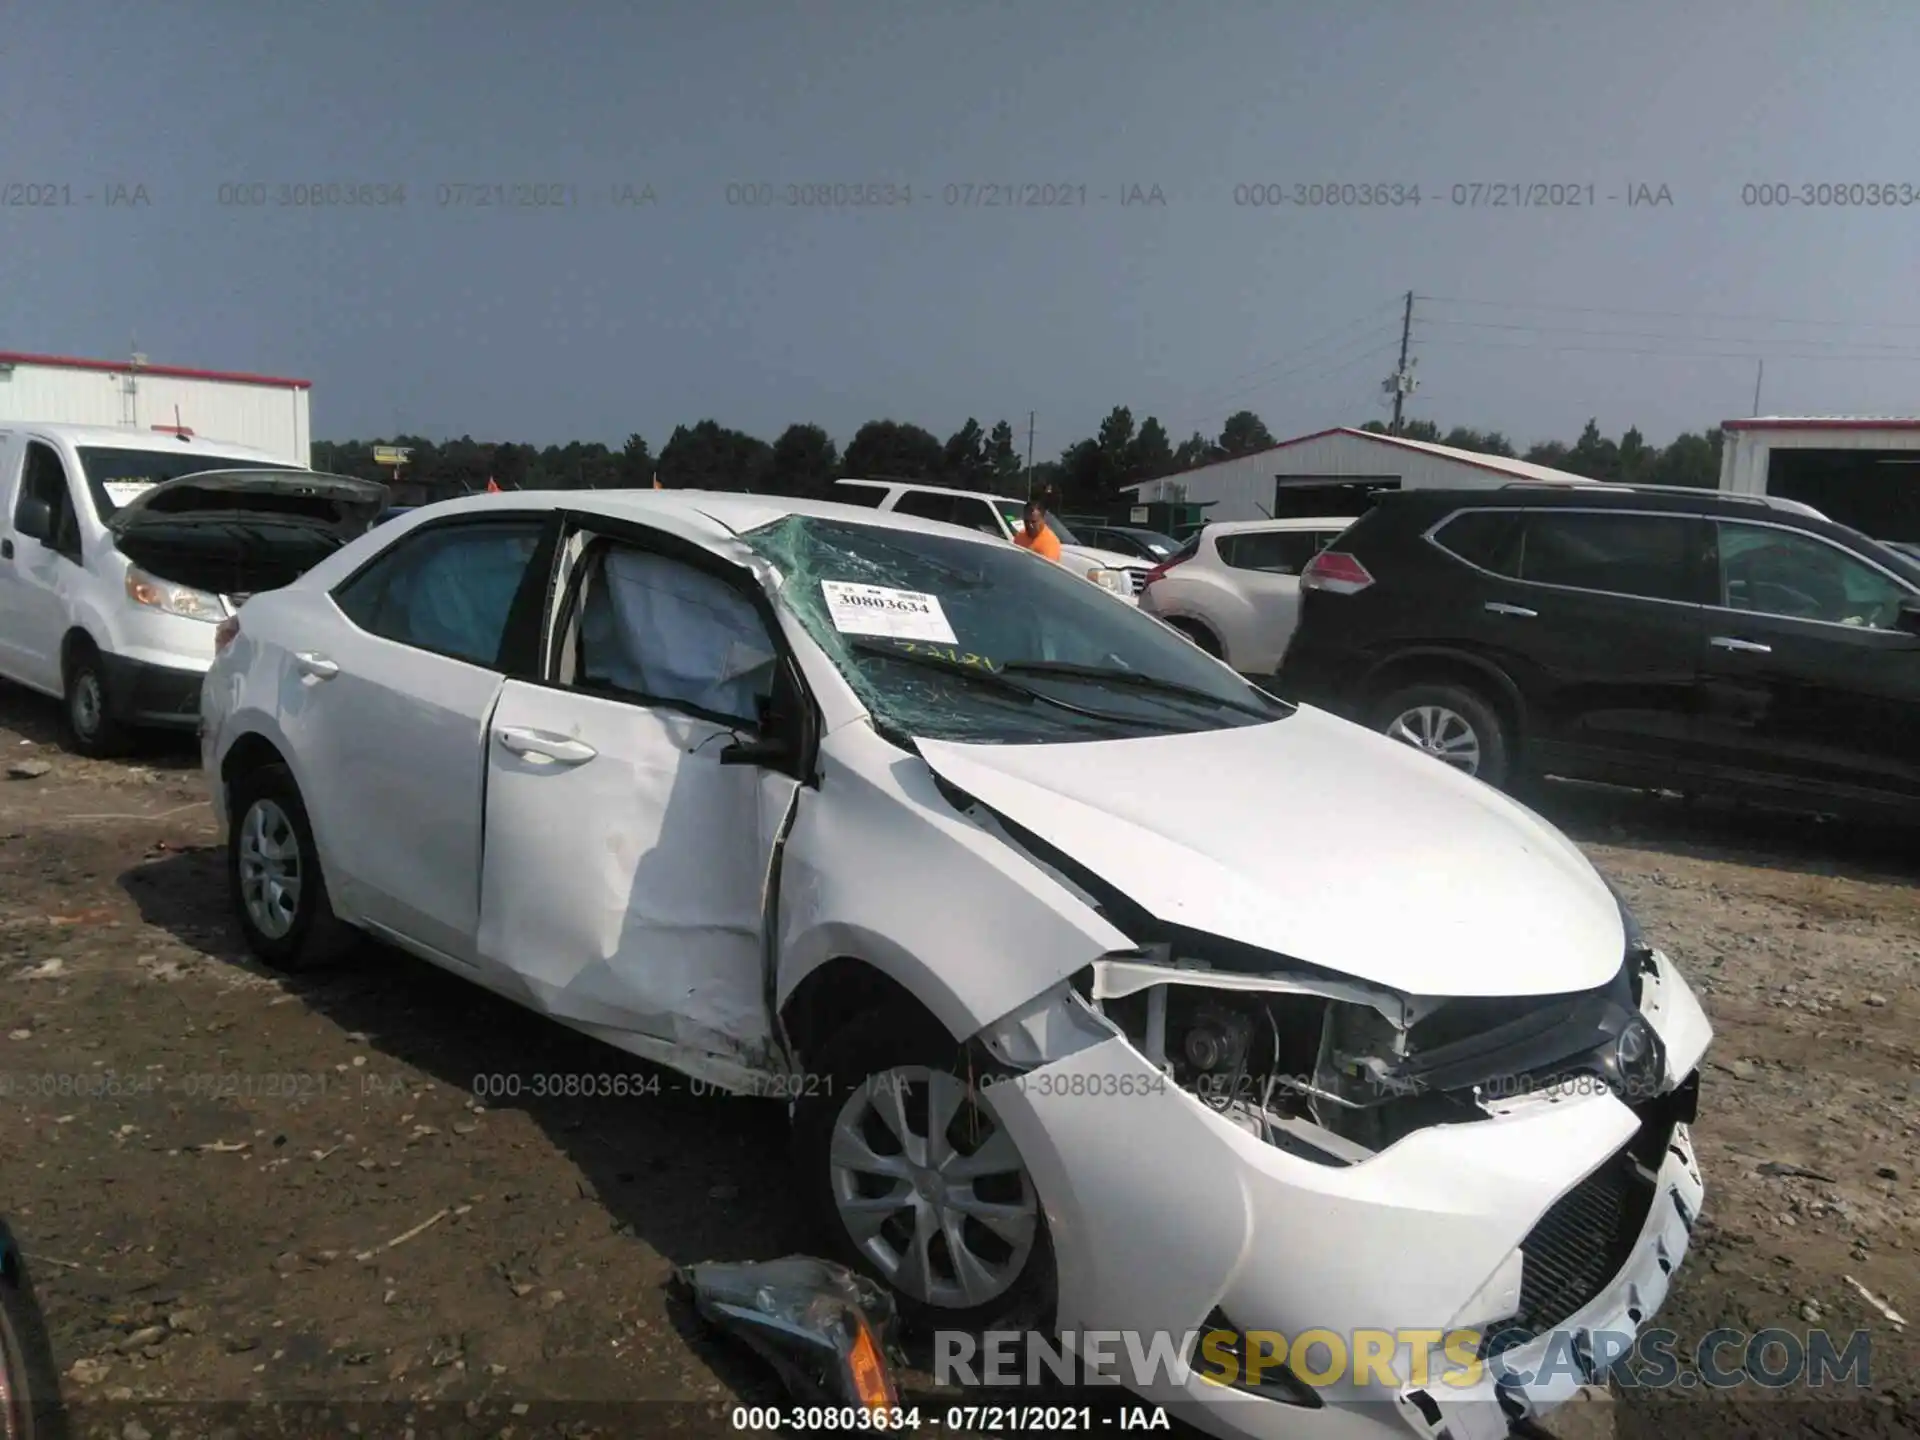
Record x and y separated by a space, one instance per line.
394 512
119 553
1234 588
994 881
998 515
1681 639
30 1405
1142 544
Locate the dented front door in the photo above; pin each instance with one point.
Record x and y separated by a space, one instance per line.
623 869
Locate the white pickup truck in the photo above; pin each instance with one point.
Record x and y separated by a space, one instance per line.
1124 575
122 550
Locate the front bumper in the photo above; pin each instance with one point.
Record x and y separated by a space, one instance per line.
1165 1216
140 692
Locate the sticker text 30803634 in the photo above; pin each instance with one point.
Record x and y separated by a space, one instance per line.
884 611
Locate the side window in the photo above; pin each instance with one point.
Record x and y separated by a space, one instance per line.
1650 556
925 505
447 589
654 628
1801 577
1487 538
45 478
1277 552
977 515
868 495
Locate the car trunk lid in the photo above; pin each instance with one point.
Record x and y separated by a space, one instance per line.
234 532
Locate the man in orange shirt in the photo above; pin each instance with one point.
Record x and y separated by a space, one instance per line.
1036 535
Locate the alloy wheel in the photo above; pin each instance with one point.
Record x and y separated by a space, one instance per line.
269 869
1440 732
931 1189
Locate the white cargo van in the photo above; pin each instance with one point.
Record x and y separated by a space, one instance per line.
122 550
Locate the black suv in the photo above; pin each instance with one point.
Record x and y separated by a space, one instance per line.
1674 639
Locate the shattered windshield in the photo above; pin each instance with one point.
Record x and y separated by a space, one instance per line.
116 476
945 638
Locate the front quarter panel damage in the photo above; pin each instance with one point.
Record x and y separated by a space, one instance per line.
881 867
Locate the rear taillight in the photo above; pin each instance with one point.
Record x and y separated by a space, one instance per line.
1335 572
1161 569
224 634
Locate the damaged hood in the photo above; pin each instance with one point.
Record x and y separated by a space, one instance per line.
237 532
1318 840
329 500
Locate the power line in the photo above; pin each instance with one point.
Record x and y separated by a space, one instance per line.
1772 353
1674 314
1658 335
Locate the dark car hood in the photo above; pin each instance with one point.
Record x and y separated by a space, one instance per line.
234 532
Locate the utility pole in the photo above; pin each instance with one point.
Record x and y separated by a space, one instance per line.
1030 454
1758 376
1401 383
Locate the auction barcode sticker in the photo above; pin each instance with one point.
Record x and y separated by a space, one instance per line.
881 610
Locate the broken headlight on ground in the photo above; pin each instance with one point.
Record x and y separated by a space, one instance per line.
1338 1069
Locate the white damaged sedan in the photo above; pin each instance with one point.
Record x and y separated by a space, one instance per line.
1109 992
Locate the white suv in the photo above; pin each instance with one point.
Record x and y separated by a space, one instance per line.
998 515
1234 589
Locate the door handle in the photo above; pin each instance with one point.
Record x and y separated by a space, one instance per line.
1745 647
6 549
548 747
1500 607
316 665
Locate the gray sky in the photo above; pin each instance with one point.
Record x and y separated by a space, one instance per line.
595 319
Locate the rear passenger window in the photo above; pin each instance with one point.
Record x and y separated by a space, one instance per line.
447 589
977 515
1652 556
868 495
1487 538
1276 552
925 506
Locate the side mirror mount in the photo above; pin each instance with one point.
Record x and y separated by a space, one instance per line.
770 752
34 519
1909 617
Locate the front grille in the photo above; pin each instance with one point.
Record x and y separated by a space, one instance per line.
1136 581
1581 1244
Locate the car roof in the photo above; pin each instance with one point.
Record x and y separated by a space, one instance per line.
719 515
1598 494
119 437
1291 522
931 489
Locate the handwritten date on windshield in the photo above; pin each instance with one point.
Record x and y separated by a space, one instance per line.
945 652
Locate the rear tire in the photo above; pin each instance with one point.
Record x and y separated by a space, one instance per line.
273 874
1454 724
1199 635
852 1162
90 722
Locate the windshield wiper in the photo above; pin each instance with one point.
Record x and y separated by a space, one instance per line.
992 680
1133 679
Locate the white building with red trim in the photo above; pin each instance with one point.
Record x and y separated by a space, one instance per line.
1862 470
1332 472
268 412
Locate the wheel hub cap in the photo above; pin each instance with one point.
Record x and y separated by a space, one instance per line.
931 1189
269 869
87 704
1440 732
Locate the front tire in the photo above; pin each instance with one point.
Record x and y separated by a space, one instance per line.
91 725
916 1183
273 873
30 1405
1455 725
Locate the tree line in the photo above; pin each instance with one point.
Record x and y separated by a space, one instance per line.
805 460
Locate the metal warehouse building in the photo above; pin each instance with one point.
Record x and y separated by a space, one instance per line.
264 411
1863 471
1334 472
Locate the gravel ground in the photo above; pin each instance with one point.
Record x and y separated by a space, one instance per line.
249 1187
